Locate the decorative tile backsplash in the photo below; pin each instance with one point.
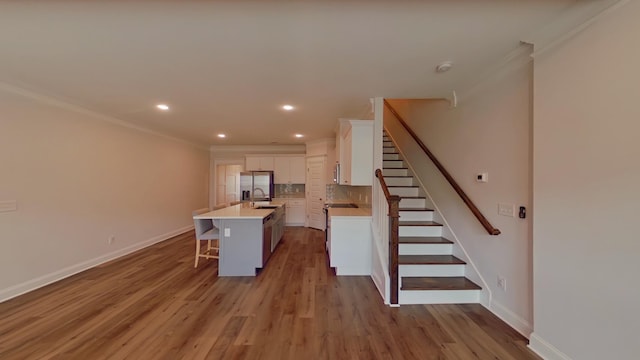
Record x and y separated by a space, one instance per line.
359 195
288 190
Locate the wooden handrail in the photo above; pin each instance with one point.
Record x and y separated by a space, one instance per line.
394 238
474 209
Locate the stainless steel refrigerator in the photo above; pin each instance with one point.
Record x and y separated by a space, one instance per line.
256 185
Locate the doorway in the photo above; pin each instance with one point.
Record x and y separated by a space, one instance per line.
227 183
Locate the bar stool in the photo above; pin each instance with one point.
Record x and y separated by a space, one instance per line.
205 230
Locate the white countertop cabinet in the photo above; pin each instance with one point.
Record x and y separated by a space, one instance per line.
349 241
296 213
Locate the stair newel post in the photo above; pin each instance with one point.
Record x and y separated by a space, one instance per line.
394 219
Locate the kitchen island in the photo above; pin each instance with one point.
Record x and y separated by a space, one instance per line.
248 235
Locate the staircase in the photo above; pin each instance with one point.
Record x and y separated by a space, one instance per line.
428 271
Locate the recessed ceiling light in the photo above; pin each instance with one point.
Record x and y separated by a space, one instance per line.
298 135
444 67
163 107
287 107
222 136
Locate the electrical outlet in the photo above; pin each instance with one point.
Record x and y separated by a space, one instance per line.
227 232
111 239
502 283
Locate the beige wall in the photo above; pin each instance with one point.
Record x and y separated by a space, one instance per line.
586 192
79 180
489 131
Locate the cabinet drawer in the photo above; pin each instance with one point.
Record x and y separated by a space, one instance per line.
296 202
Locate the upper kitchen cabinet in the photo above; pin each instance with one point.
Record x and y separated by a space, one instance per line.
354 149
259 163
289 170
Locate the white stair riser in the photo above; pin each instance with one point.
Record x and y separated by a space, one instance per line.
412 203
389 150
425 249
416 215
404 191
391 157
420 231
387 142
392 164
438 296
399 181
431 270
395 172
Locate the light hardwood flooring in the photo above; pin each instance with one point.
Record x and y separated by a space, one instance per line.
154 305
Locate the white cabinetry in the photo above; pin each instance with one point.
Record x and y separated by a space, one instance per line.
296 212
253 162
289 170
354 149
349 244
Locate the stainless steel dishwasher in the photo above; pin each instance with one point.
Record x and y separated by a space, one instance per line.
267 230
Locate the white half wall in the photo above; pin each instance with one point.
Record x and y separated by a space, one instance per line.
587 191
78 180
489 131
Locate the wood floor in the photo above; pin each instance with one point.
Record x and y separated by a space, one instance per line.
154 305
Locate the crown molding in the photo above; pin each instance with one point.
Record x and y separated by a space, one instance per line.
573 21
259 149
51 101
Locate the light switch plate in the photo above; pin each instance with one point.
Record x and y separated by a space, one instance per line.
506 209
8 205
227 232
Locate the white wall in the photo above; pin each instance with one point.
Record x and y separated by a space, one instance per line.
77 180
489 131
587 191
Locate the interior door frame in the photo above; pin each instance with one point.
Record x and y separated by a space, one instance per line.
213 176
323 178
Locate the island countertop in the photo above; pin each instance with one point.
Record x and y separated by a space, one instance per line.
240 211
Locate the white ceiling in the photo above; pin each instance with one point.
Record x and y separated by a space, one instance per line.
227 66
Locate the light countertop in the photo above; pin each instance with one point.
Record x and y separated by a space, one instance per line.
240 211
349 212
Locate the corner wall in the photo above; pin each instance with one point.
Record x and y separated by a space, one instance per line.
78 180
489 132
586 192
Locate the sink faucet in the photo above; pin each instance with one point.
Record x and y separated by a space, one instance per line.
258 189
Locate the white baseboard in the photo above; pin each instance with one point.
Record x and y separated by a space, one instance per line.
545 350
512 319
30 285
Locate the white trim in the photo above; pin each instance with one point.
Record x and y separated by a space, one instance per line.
328 141
272 150
514 320
545 350
381 283
98 116
567 35
33 284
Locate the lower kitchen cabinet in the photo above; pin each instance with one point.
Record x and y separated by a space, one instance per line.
349 241
296 211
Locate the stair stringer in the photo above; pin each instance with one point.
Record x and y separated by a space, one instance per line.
447 232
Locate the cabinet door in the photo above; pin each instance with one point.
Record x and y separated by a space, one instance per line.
266 163
281 170
345 165
298 170
252 163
